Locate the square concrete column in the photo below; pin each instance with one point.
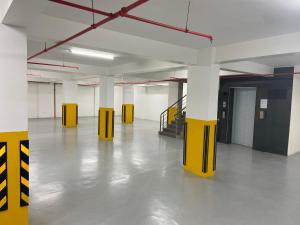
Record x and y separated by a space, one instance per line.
14 144
201 120
70 106
128 105
106 117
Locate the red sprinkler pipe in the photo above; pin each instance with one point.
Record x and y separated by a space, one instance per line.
113 16
55 65
170 27
126 15
148 81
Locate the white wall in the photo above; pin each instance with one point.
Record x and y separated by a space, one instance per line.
70 91
41 100
45 100
59 99
173 93
85 101
294 140
97 100
32 100
150 102
13 85
139 102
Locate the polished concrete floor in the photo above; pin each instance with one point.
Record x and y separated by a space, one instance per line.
138 180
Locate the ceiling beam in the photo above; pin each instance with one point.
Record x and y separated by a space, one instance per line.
271 46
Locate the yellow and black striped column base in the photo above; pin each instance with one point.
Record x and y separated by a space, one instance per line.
106 123
127 113
199 155
69 115
14 178
172 111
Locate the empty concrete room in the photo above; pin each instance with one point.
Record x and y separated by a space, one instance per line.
149 112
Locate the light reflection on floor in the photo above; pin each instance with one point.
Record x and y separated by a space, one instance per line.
138 180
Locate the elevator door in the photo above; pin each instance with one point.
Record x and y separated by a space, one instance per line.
243 116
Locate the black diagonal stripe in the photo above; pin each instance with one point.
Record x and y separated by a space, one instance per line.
215 149
25 143
3 176
24 157
4 207
23 203
184 142
205 149
3 159
2 144
3 193
24 190
24 174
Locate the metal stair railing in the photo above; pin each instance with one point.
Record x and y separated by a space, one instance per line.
180 109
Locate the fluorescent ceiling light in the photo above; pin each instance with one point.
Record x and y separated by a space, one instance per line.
92 53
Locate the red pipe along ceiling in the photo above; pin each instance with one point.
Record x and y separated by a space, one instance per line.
140 19
92 27
55 65
141 82
123 12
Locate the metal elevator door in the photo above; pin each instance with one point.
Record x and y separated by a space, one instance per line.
243 116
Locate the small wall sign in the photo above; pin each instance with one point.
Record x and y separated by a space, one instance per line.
264 103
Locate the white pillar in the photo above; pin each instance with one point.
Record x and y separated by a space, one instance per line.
106 92
128 105
128 95
13 81
106 118
294 140
70 91
14 146
173 93
201 120
202 92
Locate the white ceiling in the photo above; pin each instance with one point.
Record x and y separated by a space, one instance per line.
228 21
280 60
62 54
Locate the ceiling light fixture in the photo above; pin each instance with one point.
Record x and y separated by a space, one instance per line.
92 53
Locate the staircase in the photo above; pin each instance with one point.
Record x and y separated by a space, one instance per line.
173 118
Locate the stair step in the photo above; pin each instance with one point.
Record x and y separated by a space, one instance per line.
173 135
168 134
171 130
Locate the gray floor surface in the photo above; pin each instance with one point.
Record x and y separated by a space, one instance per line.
138 180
